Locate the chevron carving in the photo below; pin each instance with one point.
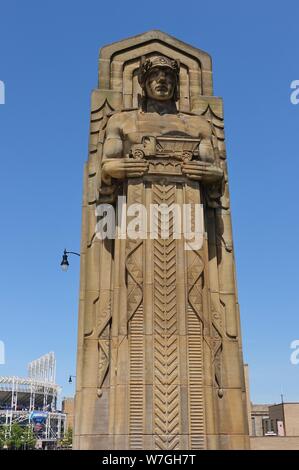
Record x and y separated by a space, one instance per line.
166 388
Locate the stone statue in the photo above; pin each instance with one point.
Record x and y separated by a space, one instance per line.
159 363
158 78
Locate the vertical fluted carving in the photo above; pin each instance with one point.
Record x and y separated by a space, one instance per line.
134 269
196 389
196 323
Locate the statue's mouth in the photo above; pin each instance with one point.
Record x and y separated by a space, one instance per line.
161 88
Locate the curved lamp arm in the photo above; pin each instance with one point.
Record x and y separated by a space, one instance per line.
65 263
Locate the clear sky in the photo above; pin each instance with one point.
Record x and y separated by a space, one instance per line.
48 62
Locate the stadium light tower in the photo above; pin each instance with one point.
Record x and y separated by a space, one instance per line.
65 263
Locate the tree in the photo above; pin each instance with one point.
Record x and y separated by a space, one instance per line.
2 436
20 437
67 439
29 438
14 440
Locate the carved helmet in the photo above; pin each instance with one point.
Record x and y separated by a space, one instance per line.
148 64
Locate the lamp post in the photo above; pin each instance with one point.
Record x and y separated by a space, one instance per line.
65 263
70 378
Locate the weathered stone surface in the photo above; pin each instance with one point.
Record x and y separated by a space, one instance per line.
159 363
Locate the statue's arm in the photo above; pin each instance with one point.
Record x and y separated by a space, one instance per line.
113 145
206 150
206 168
115 165
113 148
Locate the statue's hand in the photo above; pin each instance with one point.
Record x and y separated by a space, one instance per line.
202 171
107 193
121 168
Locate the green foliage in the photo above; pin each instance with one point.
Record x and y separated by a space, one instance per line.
14 441
20 437
67 439
2 437
29 438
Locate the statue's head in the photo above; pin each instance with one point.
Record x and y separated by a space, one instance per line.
159 78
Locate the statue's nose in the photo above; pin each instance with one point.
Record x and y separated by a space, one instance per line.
161 77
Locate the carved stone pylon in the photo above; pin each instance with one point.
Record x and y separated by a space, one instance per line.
159 361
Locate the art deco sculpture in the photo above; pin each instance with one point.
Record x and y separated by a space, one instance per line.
159 348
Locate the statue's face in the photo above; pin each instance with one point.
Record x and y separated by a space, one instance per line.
160 84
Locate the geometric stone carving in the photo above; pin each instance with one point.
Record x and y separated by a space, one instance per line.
159 361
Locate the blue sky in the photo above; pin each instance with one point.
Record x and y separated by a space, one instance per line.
48 62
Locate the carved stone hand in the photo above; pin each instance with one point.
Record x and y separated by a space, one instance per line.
107 193
202 171
121 168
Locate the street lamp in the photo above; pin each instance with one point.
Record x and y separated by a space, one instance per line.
70 378
64 263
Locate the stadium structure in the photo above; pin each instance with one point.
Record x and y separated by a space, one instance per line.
33 401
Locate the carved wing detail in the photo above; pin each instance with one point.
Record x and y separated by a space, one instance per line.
216 194
217 125
98 122
100 111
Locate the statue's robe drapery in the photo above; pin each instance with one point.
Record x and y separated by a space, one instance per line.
159 348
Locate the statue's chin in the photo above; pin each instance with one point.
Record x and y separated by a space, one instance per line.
160 96
163 97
